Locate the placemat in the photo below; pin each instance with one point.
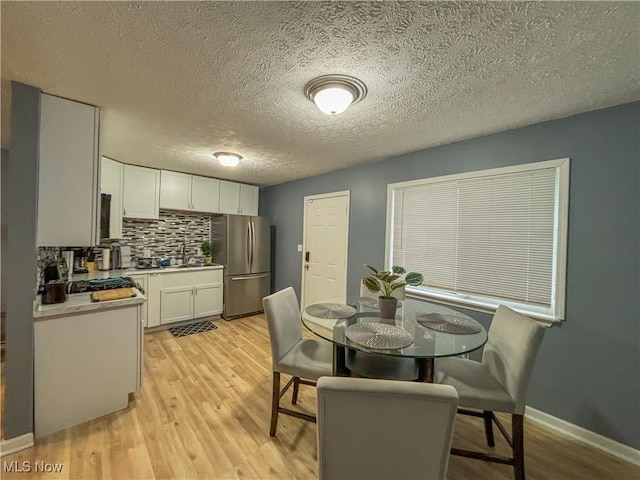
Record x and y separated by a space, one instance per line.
379 335
373 302
330 310
449 323
192 328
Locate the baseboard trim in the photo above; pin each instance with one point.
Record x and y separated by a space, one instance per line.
13 445
592 439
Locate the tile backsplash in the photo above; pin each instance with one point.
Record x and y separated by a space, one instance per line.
165 236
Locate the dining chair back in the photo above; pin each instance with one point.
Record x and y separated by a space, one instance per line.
498 383
380 429
304 359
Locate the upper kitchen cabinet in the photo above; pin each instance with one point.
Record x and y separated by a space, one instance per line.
236 198
205 194
68 173
180 191
248 199
141 196
111 183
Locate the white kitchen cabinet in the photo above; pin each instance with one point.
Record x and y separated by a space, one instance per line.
68 173
238 198
207 300
248 199
229 197
154 283
142 280
188 295
85 366
176 304
179 191
175 190
141 196
111 182
205 194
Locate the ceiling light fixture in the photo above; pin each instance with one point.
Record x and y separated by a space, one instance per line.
333 94
228 159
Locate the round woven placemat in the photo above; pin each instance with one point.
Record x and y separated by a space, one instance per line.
330 310
449 323
378 335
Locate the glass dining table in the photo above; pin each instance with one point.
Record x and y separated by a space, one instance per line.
402 348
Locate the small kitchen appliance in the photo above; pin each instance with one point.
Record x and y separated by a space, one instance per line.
56 270
54 292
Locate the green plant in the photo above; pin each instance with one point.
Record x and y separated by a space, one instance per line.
206 248
386 282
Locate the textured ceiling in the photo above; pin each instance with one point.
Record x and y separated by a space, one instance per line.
180 80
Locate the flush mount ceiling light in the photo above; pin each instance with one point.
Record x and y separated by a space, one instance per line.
333 94
228 159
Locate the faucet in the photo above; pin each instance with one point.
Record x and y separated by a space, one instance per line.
183 252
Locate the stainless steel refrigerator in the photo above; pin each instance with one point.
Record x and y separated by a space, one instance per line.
243 247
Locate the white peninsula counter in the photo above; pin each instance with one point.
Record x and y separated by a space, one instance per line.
88 359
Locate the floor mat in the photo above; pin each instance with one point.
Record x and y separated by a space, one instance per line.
198 327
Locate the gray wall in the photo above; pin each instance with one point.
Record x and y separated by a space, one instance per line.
19 207
588 369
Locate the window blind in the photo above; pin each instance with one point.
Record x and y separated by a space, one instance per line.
489 236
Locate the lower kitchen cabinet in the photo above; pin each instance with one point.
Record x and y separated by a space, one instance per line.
85 366
176 304
207 300
142 280
183 296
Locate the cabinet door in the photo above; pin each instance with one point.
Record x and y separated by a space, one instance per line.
141 192
175 190
249 200
176 304
205 194
229 197
68 173
111 180
207 300
142 281
153 299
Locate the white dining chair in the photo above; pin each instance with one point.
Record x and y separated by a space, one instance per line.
379 429
304 359
498 383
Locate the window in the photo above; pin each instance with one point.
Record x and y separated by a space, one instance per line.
482 239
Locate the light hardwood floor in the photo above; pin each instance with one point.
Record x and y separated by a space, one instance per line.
204 413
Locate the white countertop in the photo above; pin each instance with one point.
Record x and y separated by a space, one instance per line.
127 272
81 302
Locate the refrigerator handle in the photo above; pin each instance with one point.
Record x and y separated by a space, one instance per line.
249 244
253 242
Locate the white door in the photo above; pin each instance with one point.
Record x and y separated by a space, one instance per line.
326 243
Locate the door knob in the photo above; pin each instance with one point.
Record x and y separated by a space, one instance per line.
306 266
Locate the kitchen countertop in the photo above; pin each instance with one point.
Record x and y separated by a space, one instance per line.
127 272
81 302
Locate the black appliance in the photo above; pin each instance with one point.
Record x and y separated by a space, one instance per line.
54 291
105 215
56 270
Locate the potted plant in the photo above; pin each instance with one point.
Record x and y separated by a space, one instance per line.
385 283
206 251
